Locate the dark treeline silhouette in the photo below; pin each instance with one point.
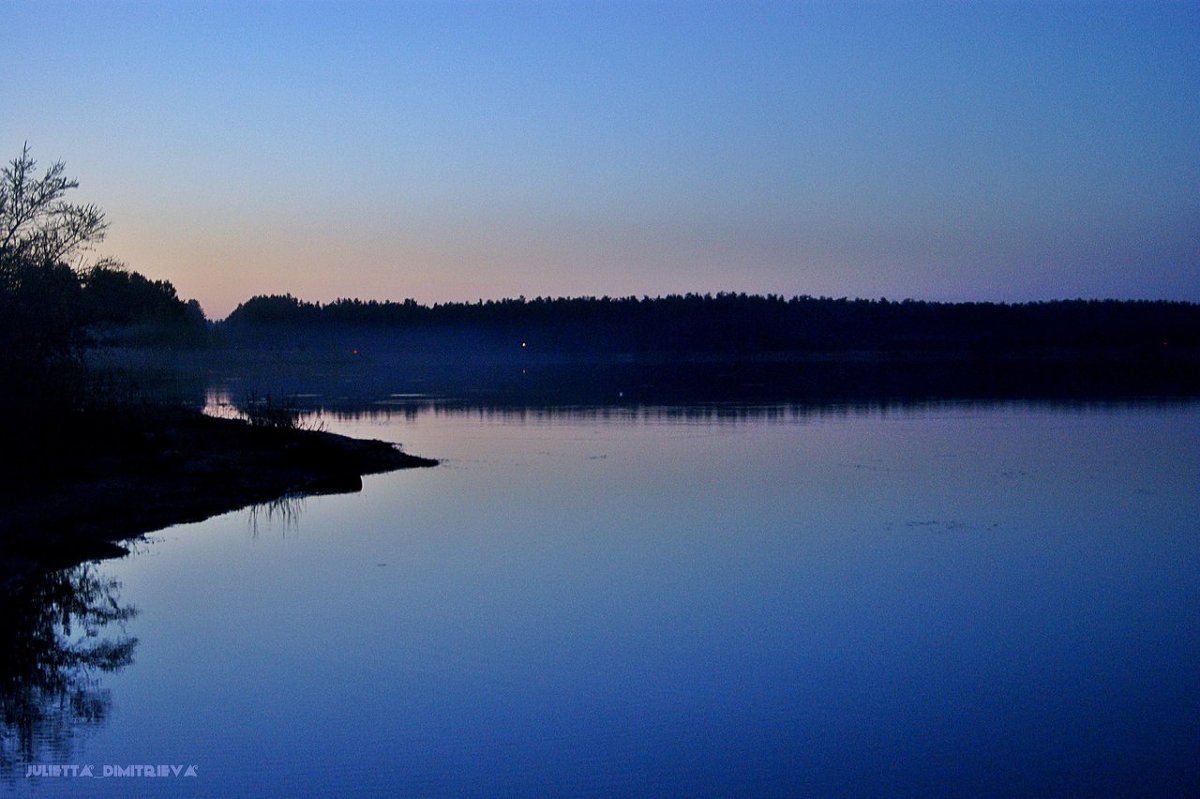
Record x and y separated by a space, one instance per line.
734 325
53 306
119 306
720 348
50 311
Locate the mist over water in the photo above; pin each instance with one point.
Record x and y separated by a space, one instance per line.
717 598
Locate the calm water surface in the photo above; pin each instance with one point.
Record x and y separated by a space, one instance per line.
954 600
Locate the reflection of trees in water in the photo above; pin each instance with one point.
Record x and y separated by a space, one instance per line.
51 655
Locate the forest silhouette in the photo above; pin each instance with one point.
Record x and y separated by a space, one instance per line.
738 324
56 307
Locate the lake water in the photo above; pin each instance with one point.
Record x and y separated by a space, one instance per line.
699 600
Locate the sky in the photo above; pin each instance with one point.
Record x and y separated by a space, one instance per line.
452 151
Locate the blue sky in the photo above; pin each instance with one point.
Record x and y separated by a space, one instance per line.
457 150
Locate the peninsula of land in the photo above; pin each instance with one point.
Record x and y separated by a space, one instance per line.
139 473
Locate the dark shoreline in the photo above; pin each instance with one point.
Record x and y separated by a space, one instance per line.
173 467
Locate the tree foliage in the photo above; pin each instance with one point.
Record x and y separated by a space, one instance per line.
746 325
40 311
122 306
36 224
53 304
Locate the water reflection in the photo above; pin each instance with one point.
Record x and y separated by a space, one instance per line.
314 408
51 637
912 599
283 512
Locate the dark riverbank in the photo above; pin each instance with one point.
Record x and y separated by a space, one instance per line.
141 472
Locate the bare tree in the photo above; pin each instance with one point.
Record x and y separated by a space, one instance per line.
36 225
